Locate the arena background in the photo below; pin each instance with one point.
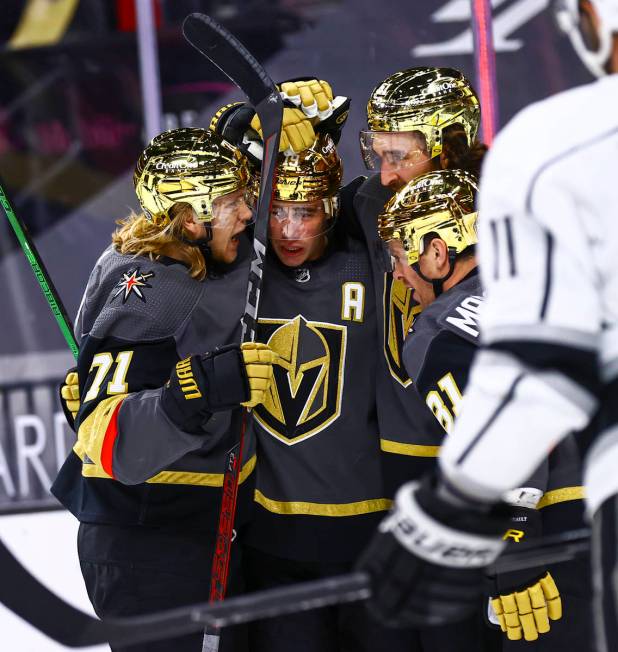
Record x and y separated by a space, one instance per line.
71 128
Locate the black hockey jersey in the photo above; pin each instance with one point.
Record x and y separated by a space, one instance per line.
130 464
410 438
438 355
319 488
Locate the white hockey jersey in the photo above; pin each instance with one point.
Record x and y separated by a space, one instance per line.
548 246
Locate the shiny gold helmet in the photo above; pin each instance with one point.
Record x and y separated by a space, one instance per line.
439 203
424 101
315 173
306 195
189 165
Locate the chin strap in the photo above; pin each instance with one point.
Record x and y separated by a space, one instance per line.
203 244
438 283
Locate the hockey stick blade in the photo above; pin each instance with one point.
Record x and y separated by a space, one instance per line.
226 52
231 57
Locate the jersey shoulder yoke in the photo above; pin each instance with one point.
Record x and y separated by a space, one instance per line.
140 299
460 311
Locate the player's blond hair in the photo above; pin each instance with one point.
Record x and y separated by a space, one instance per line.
140 236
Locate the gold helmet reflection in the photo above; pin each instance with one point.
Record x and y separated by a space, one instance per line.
187 165
426 100
440 203
314 173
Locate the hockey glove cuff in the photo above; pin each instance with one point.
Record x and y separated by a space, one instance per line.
427 560
202 384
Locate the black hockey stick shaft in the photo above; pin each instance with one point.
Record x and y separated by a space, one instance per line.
67 625
40 272
237 63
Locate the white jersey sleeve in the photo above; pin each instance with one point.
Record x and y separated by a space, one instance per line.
548 248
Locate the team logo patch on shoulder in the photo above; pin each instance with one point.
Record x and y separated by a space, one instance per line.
132 282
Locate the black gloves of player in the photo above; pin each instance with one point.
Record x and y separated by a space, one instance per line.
426 562
224 379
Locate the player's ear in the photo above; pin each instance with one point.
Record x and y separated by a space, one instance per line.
439 251
189 221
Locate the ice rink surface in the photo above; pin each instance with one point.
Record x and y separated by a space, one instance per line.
46 543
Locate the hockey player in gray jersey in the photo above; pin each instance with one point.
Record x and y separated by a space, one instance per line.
159 394
430 227
547 235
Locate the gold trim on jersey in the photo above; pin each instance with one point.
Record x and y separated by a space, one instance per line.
562 495
92 430
306 393
399 314
322 509
412 450
91 470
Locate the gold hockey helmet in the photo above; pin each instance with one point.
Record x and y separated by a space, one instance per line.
187 165
422 100
302 182
313 174
440 203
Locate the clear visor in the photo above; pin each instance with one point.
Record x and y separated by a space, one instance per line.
227 211
299 221
392 150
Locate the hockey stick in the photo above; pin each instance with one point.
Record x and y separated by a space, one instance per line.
41 274
237 63
485 59
73 628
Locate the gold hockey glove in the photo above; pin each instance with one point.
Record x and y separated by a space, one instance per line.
259 360
296 131
69 397
328 113
526 614
313 96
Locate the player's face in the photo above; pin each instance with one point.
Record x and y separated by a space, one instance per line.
403 157
297 231
231 216
422 291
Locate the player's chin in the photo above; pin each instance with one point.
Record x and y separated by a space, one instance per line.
231 250
291 255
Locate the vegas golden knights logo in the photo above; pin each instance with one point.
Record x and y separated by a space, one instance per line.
305 396
399 313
